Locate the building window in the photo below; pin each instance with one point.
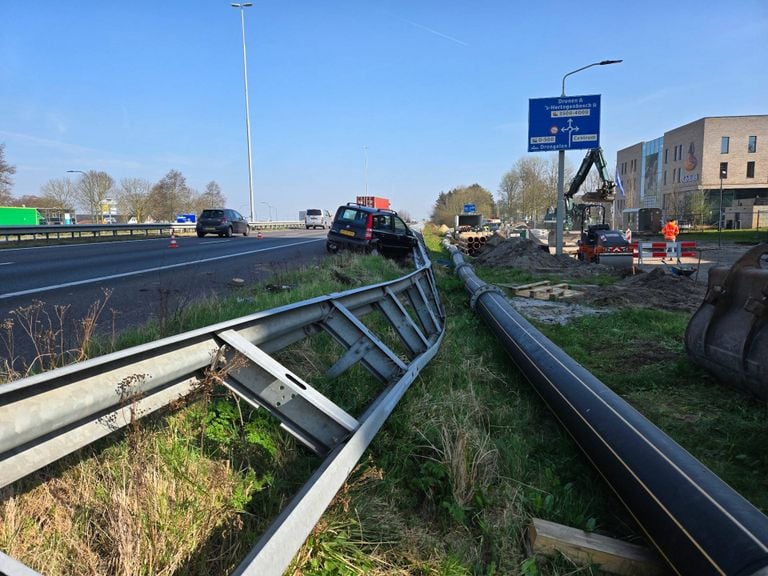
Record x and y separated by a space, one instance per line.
752 146
666 154
750 169
665 177
723 169
725 143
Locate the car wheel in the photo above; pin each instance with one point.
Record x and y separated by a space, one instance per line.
228 233
200 234
331 248
307 227
246 231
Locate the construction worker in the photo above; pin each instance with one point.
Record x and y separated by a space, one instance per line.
670 231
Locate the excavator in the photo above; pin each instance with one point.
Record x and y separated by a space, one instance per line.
597 243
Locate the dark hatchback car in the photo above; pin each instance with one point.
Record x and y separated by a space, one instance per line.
371 230
221 221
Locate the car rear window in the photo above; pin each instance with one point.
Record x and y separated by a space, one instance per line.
351 215
212 214
314 212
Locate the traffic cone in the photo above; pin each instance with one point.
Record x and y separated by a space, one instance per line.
173 241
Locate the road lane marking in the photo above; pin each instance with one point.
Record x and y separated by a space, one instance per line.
148 270
5 263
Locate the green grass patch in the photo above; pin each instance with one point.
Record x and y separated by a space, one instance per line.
447 487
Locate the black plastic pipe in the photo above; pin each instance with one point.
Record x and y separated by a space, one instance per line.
698 523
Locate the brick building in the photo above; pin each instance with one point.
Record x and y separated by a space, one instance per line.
679 173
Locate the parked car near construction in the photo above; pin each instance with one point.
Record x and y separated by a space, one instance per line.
371 230
221 221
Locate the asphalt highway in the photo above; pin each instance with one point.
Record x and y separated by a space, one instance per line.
147 279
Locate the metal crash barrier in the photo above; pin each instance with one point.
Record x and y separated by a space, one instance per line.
698 523
47 416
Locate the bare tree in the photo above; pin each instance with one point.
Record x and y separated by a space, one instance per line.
93 189
530 188
405 215
212 197
133 198
6 182
60 193
510 196
170 196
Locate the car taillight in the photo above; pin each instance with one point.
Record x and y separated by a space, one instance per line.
369 227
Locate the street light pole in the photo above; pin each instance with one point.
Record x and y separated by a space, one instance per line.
366 169
242 7
269 210
559 225
720 213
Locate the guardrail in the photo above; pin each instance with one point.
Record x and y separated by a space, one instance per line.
23 233
47 416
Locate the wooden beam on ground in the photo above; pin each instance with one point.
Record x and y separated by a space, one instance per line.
612 555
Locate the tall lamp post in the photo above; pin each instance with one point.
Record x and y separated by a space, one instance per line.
242 6
561 166
366 169
723 174
269 210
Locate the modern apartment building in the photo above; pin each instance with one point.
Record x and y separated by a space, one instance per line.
682 172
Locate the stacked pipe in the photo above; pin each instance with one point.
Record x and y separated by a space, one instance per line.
472 243
698 523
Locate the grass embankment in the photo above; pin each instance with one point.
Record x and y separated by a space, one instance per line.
447 487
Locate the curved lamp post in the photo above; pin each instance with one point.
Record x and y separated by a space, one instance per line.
561 166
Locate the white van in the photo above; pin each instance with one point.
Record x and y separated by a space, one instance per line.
317 218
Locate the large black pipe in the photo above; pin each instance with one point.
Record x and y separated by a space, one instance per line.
698 523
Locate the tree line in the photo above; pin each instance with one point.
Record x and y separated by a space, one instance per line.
526 193
135 197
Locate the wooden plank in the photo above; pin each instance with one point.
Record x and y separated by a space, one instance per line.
516 287
612 555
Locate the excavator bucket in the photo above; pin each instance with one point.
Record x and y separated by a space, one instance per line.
597 196
728 334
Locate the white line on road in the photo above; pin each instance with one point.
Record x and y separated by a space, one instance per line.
148 270
5 263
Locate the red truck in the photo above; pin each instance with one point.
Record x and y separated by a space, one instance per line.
373 202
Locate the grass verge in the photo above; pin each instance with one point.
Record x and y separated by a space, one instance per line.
447 487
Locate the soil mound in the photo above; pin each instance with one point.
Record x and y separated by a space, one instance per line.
656 289
534 257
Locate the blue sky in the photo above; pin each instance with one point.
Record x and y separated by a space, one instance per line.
433 93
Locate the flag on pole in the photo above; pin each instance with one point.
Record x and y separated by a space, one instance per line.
618 182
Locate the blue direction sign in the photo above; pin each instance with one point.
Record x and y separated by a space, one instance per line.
567 123
469 208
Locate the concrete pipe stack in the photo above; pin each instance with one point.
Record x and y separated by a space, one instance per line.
472 243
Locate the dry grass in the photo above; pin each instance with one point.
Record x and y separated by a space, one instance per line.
142 507
53 338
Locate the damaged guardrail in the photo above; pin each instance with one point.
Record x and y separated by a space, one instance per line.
47 416
698 523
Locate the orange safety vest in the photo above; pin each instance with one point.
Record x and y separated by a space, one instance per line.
670 231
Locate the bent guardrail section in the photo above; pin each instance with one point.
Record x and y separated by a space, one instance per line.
698 523
47 416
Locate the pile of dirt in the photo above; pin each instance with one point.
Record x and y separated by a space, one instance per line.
534 257
656 289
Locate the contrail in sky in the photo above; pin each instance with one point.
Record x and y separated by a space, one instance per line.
435 32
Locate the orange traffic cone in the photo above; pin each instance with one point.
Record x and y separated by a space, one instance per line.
173 241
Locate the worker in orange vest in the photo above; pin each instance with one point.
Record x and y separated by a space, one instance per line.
670 230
